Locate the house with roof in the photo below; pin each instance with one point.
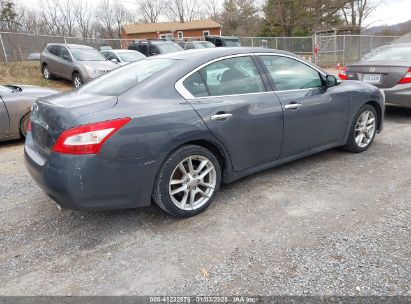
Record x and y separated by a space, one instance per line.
171 30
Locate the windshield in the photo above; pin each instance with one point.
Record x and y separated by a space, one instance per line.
87 55
389 54
169 48
204 45
232 42
124 78
130 56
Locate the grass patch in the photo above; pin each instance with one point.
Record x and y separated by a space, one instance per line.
28 73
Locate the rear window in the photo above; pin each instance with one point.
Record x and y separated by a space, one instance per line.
389 54
124 78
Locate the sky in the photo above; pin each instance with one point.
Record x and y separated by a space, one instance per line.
388 13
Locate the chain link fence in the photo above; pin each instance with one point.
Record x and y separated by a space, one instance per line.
331 50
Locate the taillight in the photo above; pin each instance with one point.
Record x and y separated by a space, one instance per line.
406 78
28 126
343 74
88 139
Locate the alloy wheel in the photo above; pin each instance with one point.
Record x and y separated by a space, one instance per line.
365 129
77 81
46 72
192 182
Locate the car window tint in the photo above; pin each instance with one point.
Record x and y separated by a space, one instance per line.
195 85
65 54
232 76
56 50
143 49
291 74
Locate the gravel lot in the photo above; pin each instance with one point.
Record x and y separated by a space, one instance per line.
332 224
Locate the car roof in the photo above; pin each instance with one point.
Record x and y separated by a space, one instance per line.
120 51
72 46
220 52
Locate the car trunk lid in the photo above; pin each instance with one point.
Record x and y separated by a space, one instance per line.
51 116
380 74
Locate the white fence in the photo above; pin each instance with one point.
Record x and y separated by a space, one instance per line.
332 49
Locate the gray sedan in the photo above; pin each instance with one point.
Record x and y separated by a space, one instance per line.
171 128
388 68
15 104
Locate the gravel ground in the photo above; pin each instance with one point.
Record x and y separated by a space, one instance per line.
332 224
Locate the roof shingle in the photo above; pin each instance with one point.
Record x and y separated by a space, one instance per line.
169 26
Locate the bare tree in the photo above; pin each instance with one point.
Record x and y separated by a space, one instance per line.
67 16
184 10
355 12
110 16
151 10
84 17
49 12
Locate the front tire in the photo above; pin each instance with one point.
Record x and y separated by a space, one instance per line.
24 122
46 72
363 130
188 181
77 80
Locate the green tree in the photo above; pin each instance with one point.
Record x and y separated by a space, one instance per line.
8 16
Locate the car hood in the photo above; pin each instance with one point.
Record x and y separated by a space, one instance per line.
101 65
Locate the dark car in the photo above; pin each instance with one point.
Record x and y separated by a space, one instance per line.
387 68
224 41
154 47
171 128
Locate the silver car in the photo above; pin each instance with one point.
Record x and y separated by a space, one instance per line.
123 57
78 63
15 105
387 68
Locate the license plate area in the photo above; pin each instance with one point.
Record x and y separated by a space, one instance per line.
373 78
39 135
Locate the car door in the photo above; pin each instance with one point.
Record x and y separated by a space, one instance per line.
66 65
230 96
4 119
314 115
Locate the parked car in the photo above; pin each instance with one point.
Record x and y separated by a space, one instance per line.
221 41
387 68
15 105
123 57
78 63
173 127
33 56
154 47
188 45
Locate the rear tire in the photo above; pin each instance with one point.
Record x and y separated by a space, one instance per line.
46 72
363 130
77 80
187 182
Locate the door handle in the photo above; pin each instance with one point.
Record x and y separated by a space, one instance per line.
293 106
222 116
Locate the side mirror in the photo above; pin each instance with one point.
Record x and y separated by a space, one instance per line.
331 81
114 60
66 57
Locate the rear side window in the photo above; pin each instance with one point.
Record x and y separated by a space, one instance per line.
122 79
291 74
232 76
195 85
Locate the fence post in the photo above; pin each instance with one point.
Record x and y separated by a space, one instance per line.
252 42
2 46
343 51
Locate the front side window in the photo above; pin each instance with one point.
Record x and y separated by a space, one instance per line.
120 80
231 76
291 74
87 55
65 54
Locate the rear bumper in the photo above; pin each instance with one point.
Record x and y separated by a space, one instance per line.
87 181
399 95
